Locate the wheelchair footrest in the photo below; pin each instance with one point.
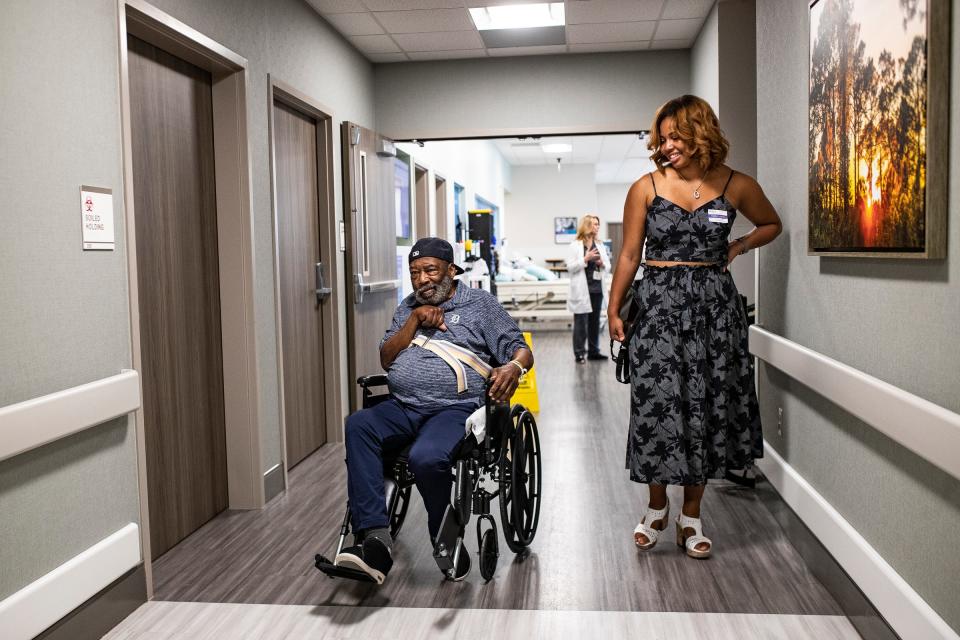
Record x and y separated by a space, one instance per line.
333 571
451 532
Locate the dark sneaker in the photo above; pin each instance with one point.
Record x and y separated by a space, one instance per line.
373 558
596 356
580 359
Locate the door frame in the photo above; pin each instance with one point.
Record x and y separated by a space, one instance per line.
235 248
438 207
278 90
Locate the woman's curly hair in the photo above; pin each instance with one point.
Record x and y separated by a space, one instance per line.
698 127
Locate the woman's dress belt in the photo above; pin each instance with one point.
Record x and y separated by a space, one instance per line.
455 356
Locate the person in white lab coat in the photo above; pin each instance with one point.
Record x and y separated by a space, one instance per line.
587 264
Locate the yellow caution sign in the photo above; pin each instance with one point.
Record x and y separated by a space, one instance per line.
526 393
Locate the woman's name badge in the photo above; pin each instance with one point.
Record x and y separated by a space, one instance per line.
717 215
597 275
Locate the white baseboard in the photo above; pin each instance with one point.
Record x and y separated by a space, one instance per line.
43 602
904 610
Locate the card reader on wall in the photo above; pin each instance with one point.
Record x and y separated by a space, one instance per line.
386 148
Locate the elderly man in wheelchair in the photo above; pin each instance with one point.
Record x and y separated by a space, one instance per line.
438 353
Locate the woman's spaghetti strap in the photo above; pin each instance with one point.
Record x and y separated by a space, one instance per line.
726 185
653 182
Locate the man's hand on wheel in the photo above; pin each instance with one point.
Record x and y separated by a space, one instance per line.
503 382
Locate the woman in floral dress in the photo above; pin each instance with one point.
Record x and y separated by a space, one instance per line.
693 409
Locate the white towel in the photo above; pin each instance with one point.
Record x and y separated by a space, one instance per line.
477 423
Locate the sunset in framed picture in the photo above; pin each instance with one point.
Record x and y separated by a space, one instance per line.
868 156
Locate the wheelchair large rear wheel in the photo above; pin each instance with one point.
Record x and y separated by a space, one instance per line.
520 480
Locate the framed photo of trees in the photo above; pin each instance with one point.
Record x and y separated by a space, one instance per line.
878 139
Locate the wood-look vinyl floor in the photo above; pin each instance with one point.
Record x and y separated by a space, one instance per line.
582 559
205 621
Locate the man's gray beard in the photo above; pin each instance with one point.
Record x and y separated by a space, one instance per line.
440 291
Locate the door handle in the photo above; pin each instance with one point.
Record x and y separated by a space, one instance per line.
360 287
322 291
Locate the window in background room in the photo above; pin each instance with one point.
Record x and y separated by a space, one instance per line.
401 198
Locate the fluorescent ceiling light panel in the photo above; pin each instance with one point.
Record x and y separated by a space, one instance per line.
557 147
518 16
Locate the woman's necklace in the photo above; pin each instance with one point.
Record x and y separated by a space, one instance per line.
696 190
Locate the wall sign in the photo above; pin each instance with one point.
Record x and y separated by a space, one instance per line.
96 218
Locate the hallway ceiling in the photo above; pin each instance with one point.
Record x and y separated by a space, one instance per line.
617 158
413 30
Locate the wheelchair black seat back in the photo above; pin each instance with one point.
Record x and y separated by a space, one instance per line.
505 465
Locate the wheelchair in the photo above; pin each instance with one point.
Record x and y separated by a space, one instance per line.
506 461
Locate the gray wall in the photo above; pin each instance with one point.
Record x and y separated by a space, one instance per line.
896 320
510 96
64 313
705 61
722 73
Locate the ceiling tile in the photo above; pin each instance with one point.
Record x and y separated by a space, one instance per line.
387 57
425 21
494 3
632 169
600 47
354 24
527 51
616 147
611 32
441 41
578 12
687 9
670 44
336 6
638 148
375 44
447 55
411 5
532 37
678 29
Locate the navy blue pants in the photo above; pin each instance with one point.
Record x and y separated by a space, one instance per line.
390 426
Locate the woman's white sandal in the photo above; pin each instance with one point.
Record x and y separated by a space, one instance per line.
651 516
690 543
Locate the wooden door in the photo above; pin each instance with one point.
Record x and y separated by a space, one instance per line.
371 247
422 204
171 107
300 194
440 210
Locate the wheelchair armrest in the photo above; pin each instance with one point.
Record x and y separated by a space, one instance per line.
375 380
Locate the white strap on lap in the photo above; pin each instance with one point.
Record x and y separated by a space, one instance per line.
455 356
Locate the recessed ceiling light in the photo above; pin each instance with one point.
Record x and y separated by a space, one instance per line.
518 16
557 147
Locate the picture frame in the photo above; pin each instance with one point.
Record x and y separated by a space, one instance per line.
878 114
564 229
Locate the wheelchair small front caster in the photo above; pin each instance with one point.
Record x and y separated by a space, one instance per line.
489 554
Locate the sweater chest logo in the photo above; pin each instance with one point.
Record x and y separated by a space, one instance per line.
454 318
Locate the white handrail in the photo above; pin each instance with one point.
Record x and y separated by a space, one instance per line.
927 429
33 423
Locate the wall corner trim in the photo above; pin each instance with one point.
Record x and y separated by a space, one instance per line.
904 610
46 600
